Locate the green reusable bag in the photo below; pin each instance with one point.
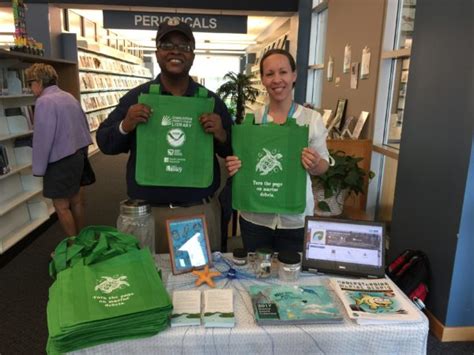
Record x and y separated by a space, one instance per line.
118 298
124 285
272 178
93 244
172 147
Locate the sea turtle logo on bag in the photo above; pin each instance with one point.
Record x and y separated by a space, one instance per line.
268 162
108 284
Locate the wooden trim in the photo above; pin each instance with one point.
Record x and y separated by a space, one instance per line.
385 150
399 53
446 334
360 148
316 66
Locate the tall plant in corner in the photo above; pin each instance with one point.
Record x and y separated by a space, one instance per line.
240 90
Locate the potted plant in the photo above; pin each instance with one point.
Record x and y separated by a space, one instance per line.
240 90
343 178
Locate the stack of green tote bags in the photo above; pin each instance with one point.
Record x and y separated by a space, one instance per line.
105 289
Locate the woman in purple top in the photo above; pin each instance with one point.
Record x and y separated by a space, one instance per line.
60 140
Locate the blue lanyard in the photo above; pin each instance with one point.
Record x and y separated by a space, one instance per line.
290 113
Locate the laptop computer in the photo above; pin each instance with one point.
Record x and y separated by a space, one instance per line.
347 247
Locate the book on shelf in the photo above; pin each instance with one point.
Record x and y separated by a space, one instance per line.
4 163
20 118
374 301
293 304
217 309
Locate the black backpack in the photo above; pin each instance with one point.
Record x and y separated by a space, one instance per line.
411 273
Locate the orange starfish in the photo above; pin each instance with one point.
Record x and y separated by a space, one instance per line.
205 276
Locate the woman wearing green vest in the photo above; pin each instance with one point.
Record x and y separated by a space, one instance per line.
279 231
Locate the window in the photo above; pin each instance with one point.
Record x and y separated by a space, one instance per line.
75 24
317 45
394 73
393 86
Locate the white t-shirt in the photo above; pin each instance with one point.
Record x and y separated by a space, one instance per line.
317 141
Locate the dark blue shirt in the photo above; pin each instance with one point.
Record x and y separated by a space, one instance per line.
111 141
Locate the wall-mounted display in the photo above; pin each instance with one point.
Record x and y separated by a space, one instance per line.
347 59
330 71
365 63
354 75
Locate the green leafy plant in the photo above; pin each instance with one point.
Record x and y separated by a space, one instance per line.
344 174
239 89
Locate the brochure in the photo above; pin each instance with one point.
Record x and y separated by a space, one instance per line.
218 308
279 304
374 301
186 308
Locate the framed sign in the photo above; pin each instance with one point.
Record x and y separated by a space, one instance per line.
338 115
188 243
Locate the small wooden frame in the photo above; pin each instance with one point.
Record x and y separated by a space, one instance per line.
189 243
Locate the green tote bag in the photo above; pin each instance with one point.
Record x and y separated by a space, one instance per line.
172 147
272 178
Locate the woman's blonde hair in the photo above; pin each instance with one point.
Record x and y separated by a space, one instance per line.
43 73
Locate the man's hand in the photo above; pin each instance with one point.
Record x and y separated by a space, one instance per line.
136 114
233 164
212 123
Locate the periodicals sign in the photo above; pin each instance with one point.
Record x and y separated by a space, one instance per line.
172 147
272 178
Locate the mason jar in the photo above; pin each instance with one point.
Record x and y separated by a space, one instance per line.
136 219
263 266
289 266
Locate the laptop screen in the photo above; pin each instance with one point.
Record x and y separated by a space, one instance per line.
344 246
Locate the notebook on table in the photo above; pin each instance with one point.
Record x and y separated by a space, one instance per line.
347 247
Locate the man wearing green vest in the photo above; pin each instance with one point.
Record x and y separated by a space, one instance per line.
175 45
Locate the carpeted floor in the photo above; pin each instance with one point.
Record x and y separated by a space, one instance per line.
24 279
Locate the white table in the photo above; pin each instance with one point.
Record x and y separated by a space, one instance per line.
248 338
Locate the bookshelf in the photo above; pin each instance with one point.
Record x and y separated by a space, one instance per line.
104 77
281 42
22 206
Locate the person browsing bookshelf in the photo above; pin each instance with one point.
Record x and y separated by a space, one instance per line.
281 231
175 46
60 140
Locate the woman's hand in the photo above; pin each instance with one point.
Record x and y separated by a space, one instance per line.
313 162
233 164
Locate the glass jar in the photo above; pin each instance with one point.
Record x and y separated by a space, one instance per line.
239 257
289 266
263 268
136 219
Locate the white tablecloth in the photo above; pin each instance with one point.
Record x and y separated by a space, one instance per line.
248 338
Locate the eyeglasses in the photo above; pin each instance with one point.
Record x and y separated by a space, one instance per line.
182 47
